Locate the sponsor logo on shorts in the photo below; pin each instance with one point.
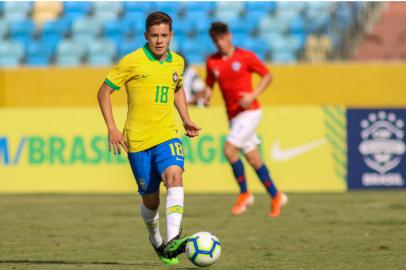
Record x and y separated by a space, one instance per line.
141 183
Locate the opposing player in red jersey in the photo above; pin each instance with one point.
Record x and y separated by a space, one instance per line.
232 68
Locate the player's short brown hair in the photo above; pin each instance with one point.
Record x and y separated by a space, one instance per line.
218 28
158 17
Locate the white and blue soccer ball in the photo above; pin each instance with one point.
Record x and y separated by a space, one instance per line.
203 249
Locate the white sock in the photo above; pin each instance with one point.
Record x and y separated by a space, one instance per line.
151 219
174 211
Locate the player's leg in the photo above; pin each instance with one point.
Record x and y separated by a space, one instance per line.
148 182
241 128
169 162
232 153
172 177
253 157
245 198
150 215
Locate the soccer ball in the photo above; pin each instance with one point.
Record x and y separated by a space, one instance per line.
203 249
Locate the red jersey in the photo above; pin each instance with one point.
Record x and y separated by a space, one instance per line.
235 77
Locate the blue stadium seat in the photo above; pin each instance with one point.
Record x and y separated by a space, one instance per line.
129 45
145 7
4 28
297 25
253 18
74 10
193 23
287 15
226 15
116 30
17 10
37 54
295 6
284 58
207 43
256 45
69 53
204 6
270 38
344 15
195 58
193 46
107 10
238 38
22 31
101 53
85 30
169 7
237 7
242 25
50 43
284 44
57 28
175 44
320 6
318 22
202 27
11 54
273 24
135 20
266 6
22 28
300 39
82 7
194 16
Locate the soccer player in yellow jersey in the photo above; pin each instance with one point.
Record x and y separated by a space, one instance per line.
153 77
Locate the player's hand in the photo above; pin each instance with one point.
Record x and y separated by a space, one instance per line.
246 100
207 97
117 141
192 130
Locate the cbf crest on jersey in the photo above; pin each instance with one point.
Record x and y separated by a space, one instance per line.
175 77
376 148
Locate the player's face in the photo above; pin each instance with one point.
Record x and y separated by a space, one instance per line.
223 43
159 37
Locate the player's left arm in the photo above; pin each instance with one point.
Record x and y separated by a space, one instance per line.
257 66
192 130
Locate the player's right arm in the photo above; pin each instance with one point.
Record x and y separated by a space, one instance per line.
115 79
115 137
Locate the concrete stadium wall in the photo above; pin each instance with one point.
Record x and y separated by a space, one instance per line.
357 85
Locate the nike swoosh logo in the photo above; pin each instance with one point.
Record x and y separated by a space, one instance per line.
179 159
279 154
144 76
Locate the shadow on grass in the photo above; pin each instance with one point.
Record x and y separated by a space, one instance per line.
72 262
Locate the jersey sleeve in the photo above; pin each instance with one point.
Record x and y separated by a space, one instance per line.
180 80
210 79
256 65
119 74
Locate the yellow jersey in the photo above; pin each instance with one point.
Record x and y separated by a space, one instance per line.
151 86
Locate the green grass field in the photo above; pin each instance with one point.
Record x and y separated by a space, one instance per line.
357 230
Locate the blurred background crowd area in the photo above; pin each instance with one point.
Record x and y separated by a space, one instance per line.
99 33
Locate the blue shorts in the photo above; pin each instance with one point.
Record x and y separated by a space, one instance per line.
149 165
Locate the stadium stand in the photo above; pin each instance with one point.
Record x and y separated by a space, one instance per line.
282 32
387 38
